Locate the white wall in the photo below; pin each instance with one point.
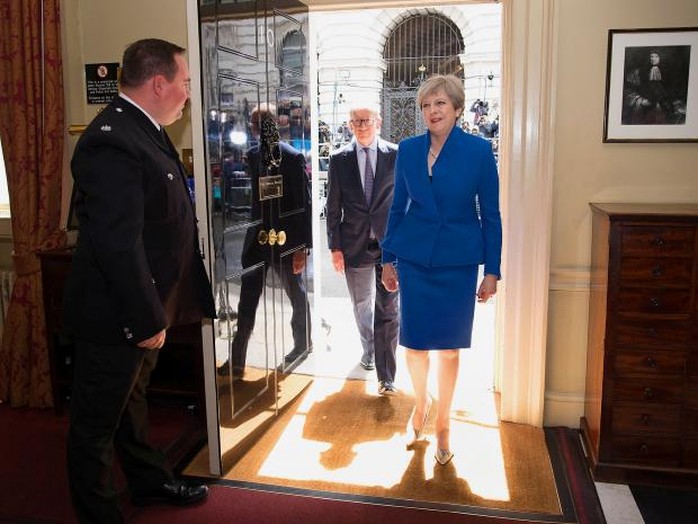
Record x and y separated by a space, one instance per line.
588 170
99 31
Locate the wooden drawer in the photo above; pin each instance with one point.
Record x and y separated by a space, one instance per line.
660 391
654 333
660 300
659 271
647 419
649 363
657 451
657 240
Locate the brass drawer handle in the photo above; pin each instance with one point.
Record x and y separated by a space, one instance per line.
651 362
659 241
657 272
655 302
652 332
648 393
645 419
644 449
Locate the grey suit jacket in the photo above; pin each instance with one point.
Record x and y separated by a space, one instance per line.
349 219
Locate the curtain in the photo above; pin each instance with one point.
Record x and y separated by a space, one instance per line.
31 130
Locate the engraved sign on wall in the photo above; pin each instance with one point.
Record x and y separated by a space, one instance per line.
101 82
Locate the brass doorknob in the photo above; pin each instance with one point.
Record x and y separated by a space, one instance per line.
281 238
272 237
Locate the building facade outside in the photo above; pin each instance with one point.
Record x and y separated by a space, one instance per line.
380 56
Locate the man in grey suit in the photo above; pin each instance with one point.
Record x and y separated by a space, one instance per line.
360 191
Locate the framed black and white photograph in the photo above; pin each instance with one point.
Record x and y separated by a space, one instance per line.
652 85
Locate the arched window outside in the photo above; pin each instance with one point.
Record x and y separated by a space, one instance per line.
420 45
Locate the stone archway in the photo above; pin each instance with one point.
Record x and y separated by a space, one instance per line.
420 43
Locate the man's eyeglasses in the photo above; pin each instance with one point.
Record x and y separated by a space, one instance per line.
363 122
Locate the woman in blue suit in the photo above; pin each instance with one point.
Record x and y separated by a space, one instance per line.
444 222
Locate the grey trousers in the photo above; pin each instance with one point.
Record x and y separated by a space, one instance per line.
376 313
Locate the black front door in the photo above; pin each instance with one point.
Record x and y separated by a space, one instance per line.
254 64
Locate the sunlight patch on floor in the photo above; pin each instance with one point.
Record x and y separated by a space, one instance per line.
370 463
385 461
481 461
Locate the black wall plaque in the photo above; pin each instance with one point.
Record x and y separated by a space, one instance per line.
101 82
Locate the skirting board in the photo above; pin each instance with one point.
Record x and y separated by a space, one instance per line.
563 409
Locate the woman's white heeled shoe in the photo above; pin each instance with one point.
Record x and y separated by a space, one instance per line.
443 456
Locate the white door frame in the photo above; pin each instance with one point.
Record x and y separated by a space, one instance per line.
528 103
202 215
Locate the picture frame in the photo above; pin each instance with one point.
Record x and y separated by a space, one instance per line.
652 85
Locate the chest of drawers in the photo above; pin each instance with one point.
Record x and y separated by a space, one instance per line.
640 421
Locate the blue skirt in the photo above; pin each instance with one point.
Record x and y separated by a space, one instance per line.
437 305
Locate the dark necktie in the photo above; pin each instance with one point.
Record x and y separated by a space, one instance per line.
368 177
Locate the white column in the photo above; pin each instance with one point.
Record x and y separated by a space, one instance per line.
526 155
202 214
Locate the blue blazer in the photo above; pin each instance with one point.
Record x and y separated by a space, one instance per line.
436 223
